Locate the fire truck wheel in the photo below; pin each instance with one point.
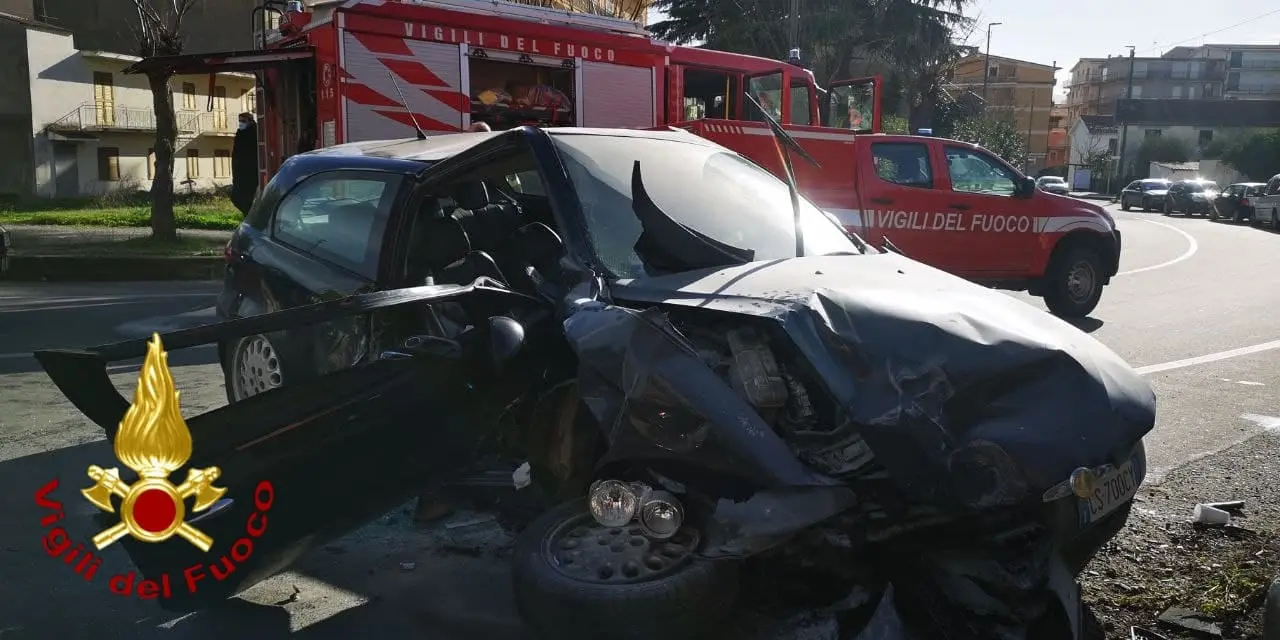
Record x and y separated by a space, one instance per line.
1074 282
576 580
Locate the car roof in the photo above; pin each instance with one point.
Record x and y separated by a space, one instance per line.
1247 184
1155 180
438 147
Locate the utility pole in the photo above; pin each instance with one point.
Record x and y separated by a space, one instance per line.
794 26
986 67
1031 117
1124 129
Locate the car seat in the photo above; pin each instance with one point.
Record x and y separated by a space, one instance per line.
448 255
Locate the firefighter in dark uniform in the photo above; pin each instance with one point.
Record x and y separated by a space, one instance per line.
244 164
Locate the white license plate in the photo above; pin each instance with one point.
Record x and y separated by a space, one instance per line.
1112 490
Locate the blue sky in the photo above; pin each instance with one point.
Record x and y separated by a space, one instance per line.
1064 32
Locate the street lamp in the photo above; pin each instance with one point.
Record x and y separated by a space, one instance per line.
986 67
1124 128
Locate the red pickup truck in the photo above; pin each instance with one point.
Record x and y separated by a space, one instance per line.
952 205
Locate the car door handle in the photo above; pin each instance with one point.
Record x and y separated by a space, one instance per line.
961 207
882 200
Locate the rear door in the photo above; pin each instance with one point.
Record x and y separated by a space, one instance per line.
904 199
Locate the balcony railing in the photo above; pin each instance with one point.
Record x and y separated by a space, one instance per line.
101 117
1248 65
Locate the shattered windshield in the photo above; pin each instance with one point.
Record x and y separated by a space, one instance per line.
725 209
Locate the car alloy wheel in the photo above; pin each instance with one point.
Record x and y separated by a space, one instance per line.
255 368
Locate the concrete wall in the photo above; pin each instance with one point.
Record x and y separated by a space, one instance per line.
1214 170
62 91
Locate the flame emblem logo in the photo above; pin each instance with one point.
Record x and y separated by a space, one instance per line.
153 441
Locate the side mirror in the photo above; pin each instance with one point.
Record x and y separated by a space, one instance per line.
1026 188
506 339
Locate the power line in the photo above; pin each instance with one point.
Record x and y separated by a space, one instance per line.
1238 24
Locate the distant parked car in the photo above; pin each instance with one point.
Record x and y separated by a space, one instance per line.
1191 197
1266 206
1053 184
1148 194
1236 202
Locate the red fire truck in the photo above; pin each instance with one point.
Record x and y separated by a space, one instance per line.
351 70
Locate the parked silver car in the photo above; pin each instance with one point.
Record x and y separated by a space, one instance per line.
1148 194
1053 184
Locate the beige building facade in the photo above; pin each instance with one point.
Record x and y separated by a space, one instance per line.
1018 90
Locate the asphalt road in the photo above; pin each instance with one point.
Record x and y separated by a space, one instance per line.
1193 309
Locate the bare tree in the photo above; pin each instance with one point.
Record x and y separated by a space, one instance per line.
1097 155
159 33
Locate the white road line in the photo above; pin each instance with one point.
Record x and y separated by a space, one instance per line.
1192 248
1211 357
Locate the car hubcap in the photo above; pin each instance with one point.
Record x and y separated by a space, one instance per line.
257 368
1080 281
582 549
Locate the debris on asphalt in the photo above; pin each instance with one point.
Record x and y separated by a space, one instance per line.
1193 621
522 477
1139 633
1233 506
408 565
292 598
1205 514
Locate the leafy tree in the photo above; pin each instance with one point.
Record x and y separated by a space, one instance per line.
1160 149
894 124
905 32
1256 156
158 32
997 135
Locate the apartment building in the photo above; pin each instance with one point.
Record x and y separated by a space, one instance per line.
1017 89
73 125
1207 72
1059 139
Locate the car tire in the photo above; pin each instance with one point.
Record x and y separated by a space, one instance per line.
1124 204
252 366
685 600
1168 208
1073 284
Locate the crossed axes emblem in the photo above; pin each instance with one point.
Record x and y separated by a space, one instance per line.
154 441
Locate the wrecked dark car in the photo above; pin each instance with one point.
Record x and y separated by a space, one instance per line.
718 391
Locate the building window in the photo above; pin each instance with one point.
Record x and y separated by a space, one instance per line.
1140 69
151 164
1180 70
1206 136
993 71
1195 70
189 96
1176 92
108 164
1237 59
222 163
1136 93
1193 92
1152 133
193 163
104 99
1112 145
1233 82
249 101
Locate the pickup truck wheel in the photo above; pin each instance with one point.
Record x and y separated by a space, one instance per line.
252 367
576 580
1074 283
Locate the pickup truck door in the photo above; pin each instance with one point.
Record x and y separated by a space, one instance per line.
904 198
997 229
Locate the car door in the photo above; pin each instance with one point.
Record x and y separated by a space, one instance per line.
1176 196
302 464
1132 193
902 201
998 230
1227 200
324 242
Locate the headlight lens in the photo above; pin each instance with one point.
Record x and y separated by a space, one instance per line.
612 503
661 515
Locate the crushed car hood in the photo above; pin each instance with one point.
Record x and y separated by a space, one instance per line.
935 370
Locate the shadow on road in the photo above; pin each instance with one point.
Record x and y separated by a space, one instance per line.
355 586
1087 325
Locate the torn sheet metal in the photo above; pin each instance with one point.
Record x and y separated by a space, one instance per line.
655 399
945 380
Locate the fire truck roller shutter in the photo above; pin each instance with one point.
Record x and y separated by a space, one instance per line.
616 95
429 75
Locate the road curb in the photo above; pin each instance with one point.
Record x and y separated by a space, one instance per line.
113 268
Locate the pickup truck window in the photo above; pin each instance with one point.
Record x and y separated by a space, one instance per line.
976 172
903 163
